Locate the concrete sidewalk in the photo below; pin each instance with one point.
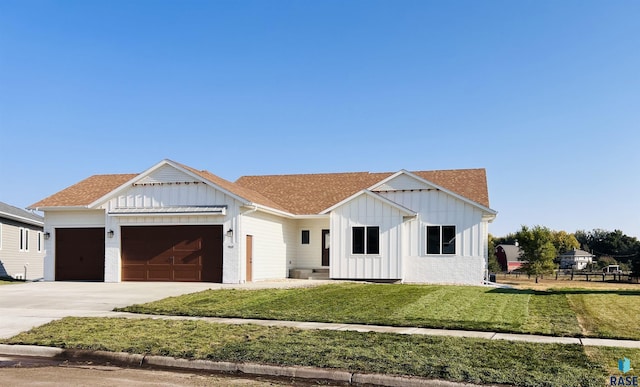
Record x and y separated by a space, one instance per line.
400 330
27 305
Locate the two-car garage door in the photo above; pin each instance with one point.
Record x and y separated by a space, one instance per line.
172 253
149 253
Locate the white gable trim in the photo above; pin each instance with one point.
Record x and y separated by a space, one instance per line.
435 186
149 171
393 204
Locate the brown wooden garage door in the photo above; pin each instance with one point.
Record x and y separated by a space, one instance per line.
79 254
172 253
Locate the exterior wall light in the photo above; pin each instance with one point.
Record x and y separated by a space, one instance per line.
230 233
110 234
47 235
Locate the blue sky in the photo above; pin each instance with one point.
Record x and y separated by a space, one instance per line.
543 94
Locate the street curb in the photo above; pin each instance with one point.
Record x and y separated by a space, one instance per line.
30 350
255 369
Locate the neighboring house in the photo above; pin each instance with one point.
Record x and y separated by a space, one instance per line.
575 259
175 223
21 243
509 257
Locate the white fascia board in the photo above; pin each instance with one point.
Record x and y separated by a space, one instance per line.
311 216
146 173
435 186
63 208
269 210
489 218
381 198
21 219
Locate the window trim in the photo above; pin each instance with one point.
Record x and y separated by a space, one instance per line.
303 240
442 245
366 231
23 243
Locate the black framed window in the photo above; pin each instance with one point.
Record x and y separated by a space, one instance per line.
441 240
305 237
357 240
373 240
448 239
365 240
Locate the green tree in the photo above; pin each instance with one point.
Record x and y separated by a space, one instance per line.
605 261
494 266
564 241
538 250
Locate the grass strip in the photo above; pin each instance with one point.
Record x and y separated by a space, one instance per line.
450 358
551 312
608 314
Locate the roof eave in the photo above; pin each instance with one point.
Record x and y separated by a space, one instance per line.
21 219
406 211
269 210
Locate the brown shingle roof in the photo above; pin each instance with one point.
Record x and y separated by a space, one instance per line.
313 193
297 194
236 189
469 183
85 192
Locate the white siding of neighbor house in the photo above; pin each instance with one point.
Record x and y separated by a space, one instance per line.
435 207
309 256
66 219
366 210
167 187
12 259
274 241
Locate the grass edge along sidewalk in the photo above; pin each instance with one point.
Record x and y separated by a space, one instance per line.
555 312
469 360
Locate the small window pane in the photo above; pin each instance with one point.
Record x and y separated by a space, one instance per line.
26 239
305 237
373 240
433 239
448 239
357 245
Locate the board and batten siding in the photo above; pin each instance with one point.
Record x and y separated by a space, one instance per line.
274 239
366 210
435 207
12 259
158 193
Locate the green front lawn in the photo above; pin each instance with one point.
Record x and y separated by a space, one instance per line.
552 312
456 359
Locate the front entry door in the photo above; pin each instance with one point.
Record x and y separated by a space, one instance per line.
325 247
249 258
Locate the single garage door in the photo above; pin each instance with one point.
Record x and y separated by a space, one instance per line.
172 253
79 254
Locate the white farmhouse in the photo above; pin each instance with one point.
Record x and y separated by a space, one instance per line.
175 223
575 259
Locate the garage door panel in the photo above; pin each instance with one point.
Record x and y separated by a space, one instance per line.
188 245
79 254
172 253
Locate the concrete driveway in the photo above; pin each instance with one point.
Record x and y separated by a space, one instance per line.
27 305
